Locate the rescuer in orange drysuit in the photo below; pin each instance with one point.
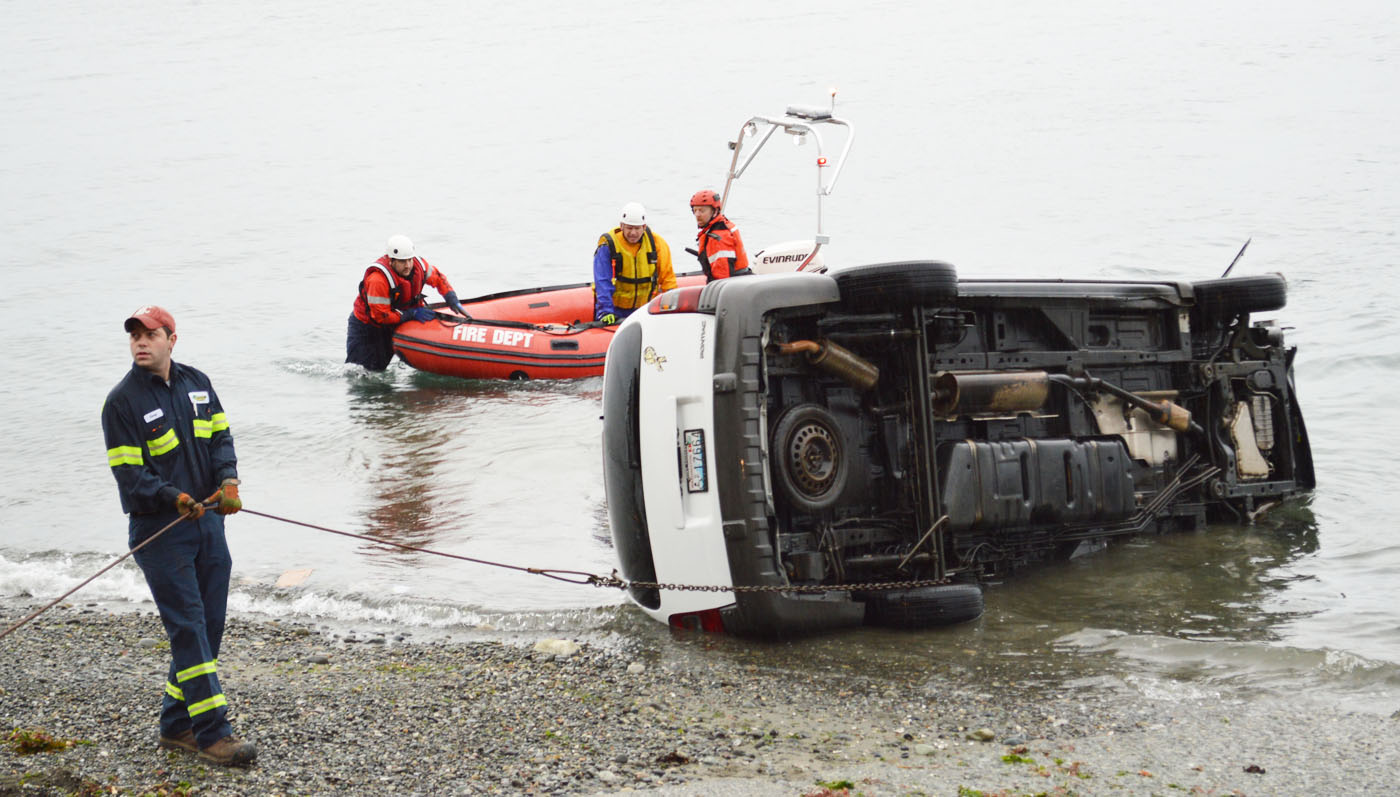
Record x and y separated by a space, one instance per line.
721 250
391 293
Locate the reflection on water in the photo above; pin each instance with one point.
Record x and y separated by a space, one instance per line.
1195 585
406 428
1196 609
501 471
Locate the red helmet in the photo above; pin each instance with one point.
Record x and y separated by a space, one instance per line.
703 198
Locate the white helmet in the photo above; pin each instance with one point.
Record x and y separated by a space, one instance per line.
634 214
399 247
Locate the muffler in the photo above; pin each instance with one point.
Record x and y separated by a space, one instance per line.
835 360
1026 391
1016 391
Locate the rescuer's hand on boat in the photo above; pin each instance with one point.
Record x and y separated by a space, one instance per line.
608 318
422 314
451 298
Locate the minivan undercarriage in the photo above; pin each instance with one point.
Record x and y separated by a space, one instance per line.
931 429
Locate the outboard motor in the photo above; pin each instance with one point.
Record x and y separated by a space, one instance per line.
788 256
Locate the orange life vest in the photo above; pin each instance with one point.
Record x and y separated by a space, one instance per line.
403 293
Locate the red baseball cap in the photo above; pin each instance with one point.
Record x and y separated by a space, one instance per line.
151 317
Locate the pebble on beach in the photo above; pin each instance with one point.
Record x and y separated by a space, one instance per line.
561 717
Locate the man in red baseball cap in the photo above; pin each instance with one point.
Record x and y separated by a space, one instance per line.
150 349
168 440
151 317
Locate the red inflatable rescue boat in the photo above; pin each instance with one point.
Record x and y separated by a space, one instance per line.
535 333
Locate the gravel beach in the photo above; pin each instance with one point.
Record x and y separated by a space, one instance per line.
380 715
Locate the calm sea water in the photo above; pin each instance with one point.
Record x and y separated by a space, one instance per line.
241 163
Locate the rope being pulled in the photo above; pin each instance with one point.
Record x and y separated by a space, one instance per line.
581 577
567 576
94 576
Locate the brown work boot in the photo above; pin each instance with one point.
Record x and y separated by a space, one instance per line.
180 741
229 751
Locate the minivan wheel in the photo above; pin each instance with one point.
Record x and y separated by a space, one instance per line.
1241 294
901 284
811 458
924 607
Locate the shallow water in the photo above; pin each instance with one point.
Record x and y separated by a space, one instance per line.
240 164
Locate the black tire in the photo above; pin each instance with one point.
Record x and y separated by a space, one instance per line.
810 457
924 607
897 285
1241 294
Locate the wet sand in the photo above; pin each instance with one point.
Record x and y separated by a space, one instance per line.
380 716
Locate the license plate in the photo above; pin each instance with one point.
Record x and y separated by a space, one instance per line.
697 478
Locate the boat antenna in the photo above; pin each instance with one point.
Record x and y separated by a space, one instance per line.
1237 257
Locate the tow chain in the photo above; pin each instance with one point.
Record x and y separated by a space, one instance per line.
874 586
614 581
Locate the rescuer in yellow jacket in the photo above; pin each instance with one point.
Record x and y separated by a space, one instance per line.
630 266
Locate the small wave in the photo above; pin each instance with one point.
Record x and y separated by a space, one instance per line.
331 369
1150 687
1174 668
392 615
41 577
45 575
1340 363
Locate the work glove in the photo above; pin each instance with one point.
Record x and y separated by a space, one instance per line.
608 318
229 502
456 306
188 507
419 314
226 498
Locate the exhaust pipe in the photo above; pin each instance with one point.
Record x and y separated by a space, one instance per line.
1017 391
835 360
1025 391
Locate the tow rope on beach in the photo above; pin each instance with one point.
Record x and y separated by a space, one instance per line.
94 576
617 582
567 576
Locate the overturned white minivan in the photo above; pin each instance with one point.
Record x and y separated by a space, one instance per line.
796 452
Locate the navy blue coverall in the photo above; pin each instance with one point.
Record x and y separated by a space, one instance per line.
163 440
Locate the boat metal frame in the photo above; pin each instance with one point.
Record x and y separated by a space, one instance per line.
800 121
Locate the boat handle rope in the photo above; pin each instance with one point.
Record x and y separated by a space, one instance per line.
548 329
581 577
